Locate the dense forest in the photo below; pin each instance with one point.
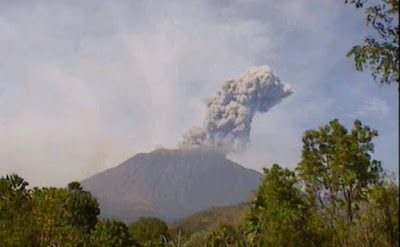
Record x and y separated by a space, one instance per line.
336 196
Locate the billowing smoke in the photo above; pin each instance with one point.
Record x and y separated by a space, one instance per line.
229 114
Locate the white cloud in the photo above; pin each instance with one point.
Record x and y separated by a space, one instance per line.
373 107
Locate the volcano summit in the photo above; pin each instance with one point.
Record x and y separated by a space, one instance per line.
171 184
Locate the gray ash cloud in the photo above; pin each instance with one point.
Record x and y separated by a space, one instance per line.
230 113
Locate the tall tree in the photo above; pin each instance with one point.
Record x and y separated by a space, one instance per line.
379 219
337 171
15 207
51 219
278 214
379 53
63 217
83 208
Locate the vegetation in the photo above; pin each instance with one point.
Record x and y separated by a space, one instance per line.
226 235
15 205
336 196
279 213
194 230
379 53
149 231
111 233
54 217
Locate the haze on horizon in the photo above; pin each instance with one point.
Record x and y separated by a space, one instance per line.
86 85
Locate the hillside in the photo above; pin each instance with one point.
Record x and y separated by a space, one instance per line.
210 219
171 184
202 223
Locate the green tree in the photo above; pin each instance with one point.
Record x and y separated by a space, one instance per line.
278 215
63 216
378 224
83 208
337 172
15 207
149 231
111 233
379 53
51 226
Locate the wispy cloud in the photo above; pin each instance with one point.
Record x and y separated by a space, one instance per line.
372 107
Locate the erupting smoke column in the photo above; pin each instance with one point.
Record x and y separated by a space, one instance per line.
230 112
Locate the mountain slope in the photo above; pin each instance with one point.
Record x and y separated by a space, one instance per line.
171 184
210 219
194 229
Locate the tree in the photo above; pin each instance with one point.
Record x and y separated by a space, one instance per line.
378 224
337 171
111 233
379 53
83 207
278 215
15 207
149 231
63 216
46 216
50 226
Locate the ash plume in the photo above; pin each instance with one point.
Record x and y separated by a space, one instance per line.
229 114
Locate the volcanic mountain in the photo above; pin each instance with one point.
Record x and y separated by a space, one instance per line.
171 184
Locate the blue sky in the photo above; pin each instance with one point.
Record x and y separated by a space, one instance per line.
85 85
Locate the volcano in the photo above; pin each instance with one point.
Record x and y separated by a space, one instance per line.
171 184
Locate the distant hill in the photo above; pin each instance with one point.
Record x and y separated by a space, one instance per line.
171 184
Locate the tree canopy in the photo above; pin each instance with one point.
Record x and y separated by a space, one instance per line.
380 52
149 231
111 233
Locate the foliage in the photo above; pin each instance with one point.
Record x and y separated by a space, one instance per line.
46 216
50 226
149 231
111 233
226 236
379 217
15 205
83 208
278 215
63 216
194 228
379 53
337 172
336 166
